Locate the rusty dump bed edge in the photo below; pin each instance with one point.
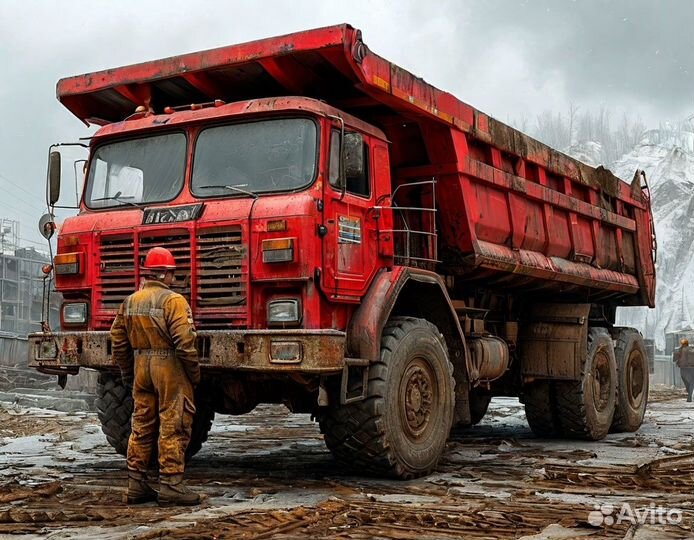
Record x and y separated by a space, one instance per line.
331 63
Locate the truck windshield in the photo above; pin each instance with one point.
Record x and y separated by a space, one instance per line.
255 157
145 170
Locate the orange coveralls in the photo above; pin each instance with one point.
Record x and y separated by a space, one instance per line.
153 335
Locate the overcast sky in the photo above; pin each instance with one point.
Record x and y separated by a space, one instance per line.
509 58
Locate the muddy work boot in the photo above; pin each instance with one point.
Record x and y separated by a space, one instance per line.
139 491
173 492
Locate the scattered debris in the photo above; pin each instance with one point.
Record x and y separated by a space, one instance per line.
268 475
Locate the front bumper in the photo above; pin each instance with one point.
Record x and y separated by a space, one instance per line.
268 351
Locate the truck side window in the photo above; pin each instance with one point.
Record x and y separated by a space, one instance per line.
334 171
357 185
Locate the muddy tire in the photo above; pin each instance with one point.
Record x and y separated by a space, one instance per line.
202 422
114 406
632 380
585 408
400 429
540 409
479 403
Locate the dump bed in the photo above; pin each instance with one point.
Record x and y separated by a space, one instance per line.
511 210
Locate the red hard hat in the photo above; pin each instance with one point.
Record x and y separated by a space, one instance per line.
159 258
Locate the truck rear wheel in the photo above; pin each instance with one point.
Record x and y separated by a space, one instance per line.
585 408
540 409
400 429
632 380
479 403
114 405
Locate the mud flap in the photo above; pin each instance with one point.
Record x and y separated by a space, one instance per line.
355 380
554 341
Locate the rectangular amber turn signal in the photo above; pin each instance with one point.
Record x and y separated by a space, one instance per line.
67 263
278 250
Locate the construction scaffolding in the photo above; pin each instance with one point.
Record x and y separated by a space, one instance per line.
21 282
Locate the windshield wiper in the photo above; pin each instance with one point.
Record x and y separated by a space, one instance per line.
238 188
117 197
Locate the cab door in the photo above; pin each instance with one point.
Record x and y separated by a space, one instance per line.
350 249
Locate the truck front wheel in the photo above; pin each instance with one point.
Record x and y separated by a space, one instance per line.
401 427
632 380
585 408
114 406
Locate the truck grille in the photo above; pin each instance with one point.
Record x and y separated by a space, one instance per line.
117 271
178 243
221 270
220 273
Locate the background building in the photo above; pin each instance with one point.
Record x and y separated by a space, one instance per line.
21 282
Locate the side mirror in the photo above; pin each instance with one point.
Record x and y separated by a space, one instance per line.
354 154
47 226
53 178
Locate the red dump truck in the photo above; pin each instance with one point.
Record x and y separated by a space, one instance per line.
355 244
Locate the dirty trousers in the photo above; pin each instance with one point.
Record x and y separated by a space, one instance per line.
163 408
687 374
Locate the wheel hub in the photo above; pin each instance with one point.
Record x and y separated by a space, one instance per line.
417 398
601 381
634 379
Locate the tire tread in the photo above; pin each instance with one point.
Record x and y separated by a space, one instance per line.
621 421
355 433
114 407
571 400
541 409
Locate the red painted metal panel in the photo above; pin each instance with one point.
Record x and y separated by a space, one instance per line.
494 256
508 203
203 61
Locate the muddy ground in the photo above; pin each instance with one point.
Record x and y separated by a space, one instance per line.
268 475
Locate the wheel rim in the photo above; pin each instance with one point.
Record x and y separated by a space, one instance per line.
601 380
634 381
418 399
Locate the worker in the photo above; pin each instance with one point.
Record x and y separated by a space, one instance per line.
684 358
153 343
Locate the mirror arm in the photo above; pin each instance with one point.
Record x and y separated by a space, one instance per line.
55 145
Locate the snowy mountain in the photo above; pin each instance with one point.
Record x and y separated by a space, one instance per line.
589 152
667 156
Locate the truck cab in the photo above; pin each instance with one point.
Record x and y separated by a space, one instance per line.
267 206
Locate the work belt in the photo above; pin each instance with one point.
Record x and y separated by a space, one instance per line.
162 353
